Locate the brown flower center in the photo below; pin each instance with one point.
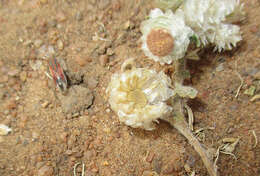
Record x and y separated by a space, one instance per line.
160 42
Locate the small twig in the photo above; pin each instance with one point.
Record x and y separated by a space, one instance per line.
254 134
228 153
83 170
192 173
179 123
48 75
200 133
205 128
217 156
241 84
75 168
255 97
102 26
96 38
241 80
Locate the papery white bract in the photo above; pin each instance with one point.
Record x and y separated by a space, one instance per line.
209 18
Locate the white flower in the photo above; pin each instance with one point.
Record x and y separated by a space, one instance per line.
165 36
208 19
138 96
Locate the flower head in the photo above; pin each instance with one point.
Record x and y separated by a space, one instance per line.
165 36
209 18
138 96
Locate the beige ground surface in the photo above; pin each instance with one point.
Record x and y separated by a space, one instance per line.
46 141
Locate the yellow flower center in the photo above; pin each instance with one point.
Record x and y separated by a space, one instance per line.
138 97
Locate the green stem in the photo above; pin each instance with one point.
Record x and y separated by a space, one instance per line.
179 67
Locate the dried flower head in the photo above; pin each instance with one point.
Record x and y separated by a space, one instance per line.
165 36
209 20
138 96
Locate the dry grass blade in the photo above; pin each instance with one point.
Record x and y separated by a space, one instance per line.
190 115
254 134
241 84
256 97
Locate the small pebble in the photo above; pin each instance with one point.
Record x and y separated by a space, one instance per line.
110 52
169 169
81 61
69 152
61 17
157 165
220 67
150 173
92 82
45 171
53 23
6 112
60 45
11 104
13 72
108 110
150 157
4 130
95 168
103 59
105 163
103 4
43 1
35 136
23 76
45 104
254 29
76 114
187 168
25 142
107 130
4 79
78 16
64 136
38 43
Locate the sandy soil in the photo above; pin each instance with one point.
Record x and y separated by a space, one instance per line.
52 132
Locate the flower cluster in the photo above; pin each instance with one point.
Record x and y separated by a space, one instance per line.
139 95
166 36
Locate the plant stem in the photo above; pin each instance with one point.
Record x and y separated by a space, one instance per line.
178 119
180 124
